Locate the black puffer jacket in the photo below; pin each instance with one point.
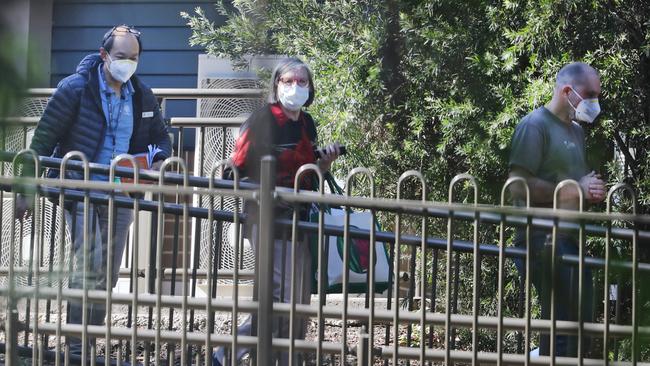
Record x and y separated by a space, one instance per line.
74 119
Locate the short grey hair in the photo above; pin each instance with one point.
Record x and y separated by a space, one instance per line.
574 74
284 66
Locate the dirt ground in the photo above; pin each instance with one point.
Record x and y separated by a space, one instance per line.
332 329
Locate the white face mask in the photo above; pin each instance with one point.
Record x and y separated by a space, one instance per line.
587 110
122 70
292 96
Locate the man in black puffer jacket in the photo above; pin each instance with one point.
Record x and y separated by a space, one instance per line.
102 110
75 118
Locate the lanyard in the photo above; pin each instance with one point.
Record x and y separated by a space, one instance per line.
113 124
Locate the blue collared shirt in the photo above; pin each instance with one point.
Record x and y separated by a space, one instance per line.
118 112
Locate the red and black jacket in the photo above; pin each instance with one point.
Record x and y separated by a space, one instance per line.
268 131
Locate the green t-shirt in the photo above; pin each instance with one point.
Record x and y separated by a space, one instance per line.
548 148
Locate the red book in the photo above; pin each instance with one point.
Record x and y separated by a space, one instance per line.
144 161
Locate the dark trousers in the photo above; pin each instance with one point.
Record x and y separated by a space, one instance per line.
566 287
96 270
282 280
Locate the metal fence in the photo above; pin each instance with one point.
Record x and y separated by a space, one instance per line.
452 296
215 140
442 315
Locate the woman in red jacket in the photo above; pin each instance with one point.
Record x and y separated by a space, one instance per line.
283 129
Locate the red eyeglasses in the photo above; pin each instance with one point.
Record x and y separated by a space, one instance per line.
300 82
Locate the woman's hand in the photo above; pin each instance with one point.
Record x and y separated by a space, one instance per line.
332 152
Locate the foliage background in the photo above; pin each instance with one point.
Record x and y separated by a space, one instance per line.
439 85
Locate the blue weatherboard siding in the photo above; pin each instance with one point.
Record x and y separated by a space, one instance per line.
168 60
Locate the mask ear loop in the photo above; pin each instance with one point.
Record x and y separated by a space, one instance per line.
575 108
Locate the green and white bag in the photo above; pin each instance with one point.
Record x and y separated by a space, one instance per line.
359 256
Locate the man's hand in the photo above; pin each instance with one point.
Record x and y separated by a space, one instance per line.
593 187
23 209
332 153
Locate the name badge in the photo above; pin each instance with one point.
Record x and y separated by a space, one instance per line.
147 114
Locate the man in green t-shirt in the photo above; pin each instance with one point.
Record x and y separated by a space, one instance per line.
548 146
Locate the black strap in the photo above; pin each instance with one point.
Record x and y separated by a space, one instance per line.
331 182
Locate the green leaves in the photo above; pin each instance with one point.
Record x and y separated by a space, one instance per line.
440 85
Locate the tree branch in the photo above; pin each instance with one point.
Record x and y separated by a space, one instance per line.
626 152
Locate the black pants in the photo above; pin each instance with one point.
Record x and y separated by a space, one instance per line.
566 288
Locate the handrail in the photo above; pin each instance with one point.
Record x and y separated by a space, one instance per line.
17 121
174 121
122 171
165 93
175 93
53 192
515 216
206 121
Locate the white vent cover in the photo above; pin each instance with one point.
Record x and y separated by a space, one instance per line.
218 144
16 138
24 250
214 144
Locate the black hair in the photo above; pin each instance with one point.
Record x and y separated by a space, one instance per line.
109 38
284 66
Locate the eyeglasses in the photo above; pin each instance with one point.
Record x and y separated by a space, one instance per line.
301 82
121 29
